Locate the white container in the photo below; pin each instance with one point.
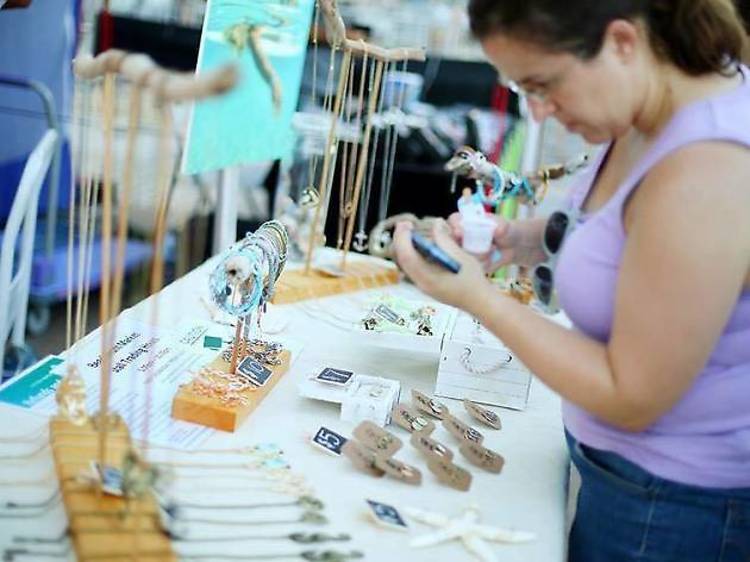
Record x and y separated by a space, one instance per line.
478 232
370 398
402 88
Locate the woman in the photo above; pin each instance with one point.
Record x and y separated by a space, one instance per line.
655 376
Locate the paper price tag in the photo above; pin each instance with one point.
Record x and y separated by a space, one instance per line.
254 371
336 377
329 441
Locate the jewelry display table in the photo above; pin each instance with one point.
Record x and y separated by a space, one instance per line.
529 495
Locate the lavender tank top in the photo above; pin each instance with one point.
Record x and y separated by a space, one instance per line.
705 439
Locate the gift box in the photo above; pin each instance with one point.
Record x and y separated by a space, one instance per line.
475 364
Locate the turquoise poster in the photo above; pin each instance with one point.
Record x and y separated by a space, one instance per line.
267 41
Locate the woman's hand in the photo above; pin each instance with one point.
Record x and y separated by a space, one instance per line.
514 242
463 290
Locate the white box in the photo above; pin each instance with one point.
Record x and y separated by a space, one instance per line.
360 403
475 364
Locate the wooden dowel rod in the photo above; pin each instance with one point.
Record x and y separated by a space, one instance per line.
143 71
323 191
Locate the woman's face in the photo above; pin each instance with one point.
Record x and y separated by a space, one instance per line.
595 98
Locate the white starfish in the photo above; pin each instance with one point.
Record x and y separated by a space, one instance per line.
467 529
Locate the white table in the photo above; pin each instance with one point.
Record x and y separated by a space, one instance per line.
529 495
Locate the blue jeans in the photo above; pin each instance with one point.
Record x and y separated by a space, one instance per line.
625 513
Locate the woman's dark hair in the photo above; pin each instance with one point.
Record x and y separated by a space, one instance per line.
698 36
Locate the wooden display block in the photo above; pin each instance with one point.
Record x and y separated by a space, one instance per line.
294 285
102 525
204 410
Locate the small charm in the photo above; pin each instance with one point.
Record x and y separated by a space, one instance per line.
430 447
309 198
399 470
429 405
487 417
71 397
410 420
360 241
378 439
461 431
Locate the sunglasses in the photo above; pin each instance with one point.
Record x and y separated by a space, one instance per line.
558 226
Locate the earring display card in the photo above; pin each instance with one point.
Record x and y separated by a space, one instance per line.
430 447
377 439
482 457
428 405
477 366
362 458
399 470
450 474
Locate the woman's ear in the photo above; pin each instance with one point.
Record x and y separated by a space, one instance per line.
623 38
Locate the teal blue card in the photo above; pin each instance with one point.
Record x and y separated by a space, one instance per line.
27 389
267 40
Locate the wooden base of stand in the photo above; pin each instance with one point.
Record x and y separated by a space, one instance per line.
204 410
295 285
101 525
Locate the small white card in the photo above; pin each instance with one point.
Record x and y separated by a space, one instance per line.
329 441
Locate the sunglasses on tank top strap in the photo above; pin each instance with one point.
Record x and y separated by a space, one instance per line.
559 225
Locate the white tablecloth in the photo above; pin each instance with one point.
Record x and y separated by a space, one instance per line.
529 494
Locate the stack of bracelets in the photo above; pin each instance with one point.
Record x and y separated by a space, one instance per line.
246 276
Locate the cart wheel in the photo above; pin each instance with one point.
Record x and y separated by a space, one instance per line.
37 320
16 360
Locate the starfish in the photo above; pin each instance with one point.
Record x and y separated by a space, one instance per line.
467 529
